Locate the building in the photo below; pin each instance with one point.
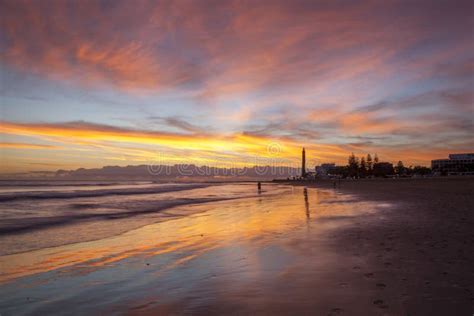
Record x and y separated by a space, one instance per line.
325 170
457 164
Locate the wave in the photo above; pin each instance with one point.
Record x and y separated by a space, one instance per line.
42 195
29 224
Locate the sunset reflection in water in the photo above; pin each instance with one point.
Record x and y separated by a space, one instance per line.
238 239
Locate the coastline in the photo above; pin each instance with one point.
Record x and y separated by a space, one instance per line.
372 248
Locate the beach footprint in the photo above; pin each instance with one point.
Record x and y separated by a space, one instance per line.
336 311
380 304
381 285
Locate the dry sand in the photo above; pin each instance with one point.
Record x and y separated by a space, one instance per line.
420 254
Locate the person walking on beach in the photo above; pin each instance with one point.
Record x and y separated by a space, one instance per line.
259 186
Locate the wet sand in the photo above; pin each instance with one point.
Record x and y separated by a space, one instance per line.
382 247
418 255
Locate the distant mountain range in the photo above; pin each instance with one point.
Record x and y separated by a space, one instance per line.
177 172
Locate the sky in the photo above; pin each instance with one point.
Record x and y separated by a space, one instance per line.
233 83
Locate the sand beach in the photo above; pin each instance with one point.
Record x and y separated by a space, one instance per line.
371 247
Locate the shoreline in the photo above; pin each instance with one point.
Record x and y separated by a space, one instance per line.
197 263
154 211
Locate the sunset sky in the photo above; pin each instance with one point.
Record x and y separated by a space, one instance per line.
94 83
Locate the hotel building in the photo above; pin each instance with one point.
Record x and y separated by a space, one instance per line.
457 164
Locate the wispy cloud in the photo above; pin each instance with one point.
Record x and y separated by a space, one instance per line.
234 47
180 124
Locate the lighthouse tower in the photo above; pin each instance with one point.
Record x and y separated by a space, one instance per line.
303 164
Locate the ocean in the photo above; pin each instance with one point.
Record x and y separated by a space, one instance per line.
39 214
112 247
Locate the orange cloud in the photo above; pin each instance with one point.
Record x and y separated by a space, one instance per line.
230 48
237 149
233 149
361 123
26 146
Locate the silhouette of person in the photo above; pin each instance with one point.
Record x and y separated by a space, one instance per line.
259 187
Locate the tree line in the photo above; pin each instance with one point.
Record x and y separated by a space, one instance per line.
366 166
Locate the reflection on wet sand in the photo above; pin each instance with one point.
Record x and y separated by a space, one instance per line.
239 241
306 203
